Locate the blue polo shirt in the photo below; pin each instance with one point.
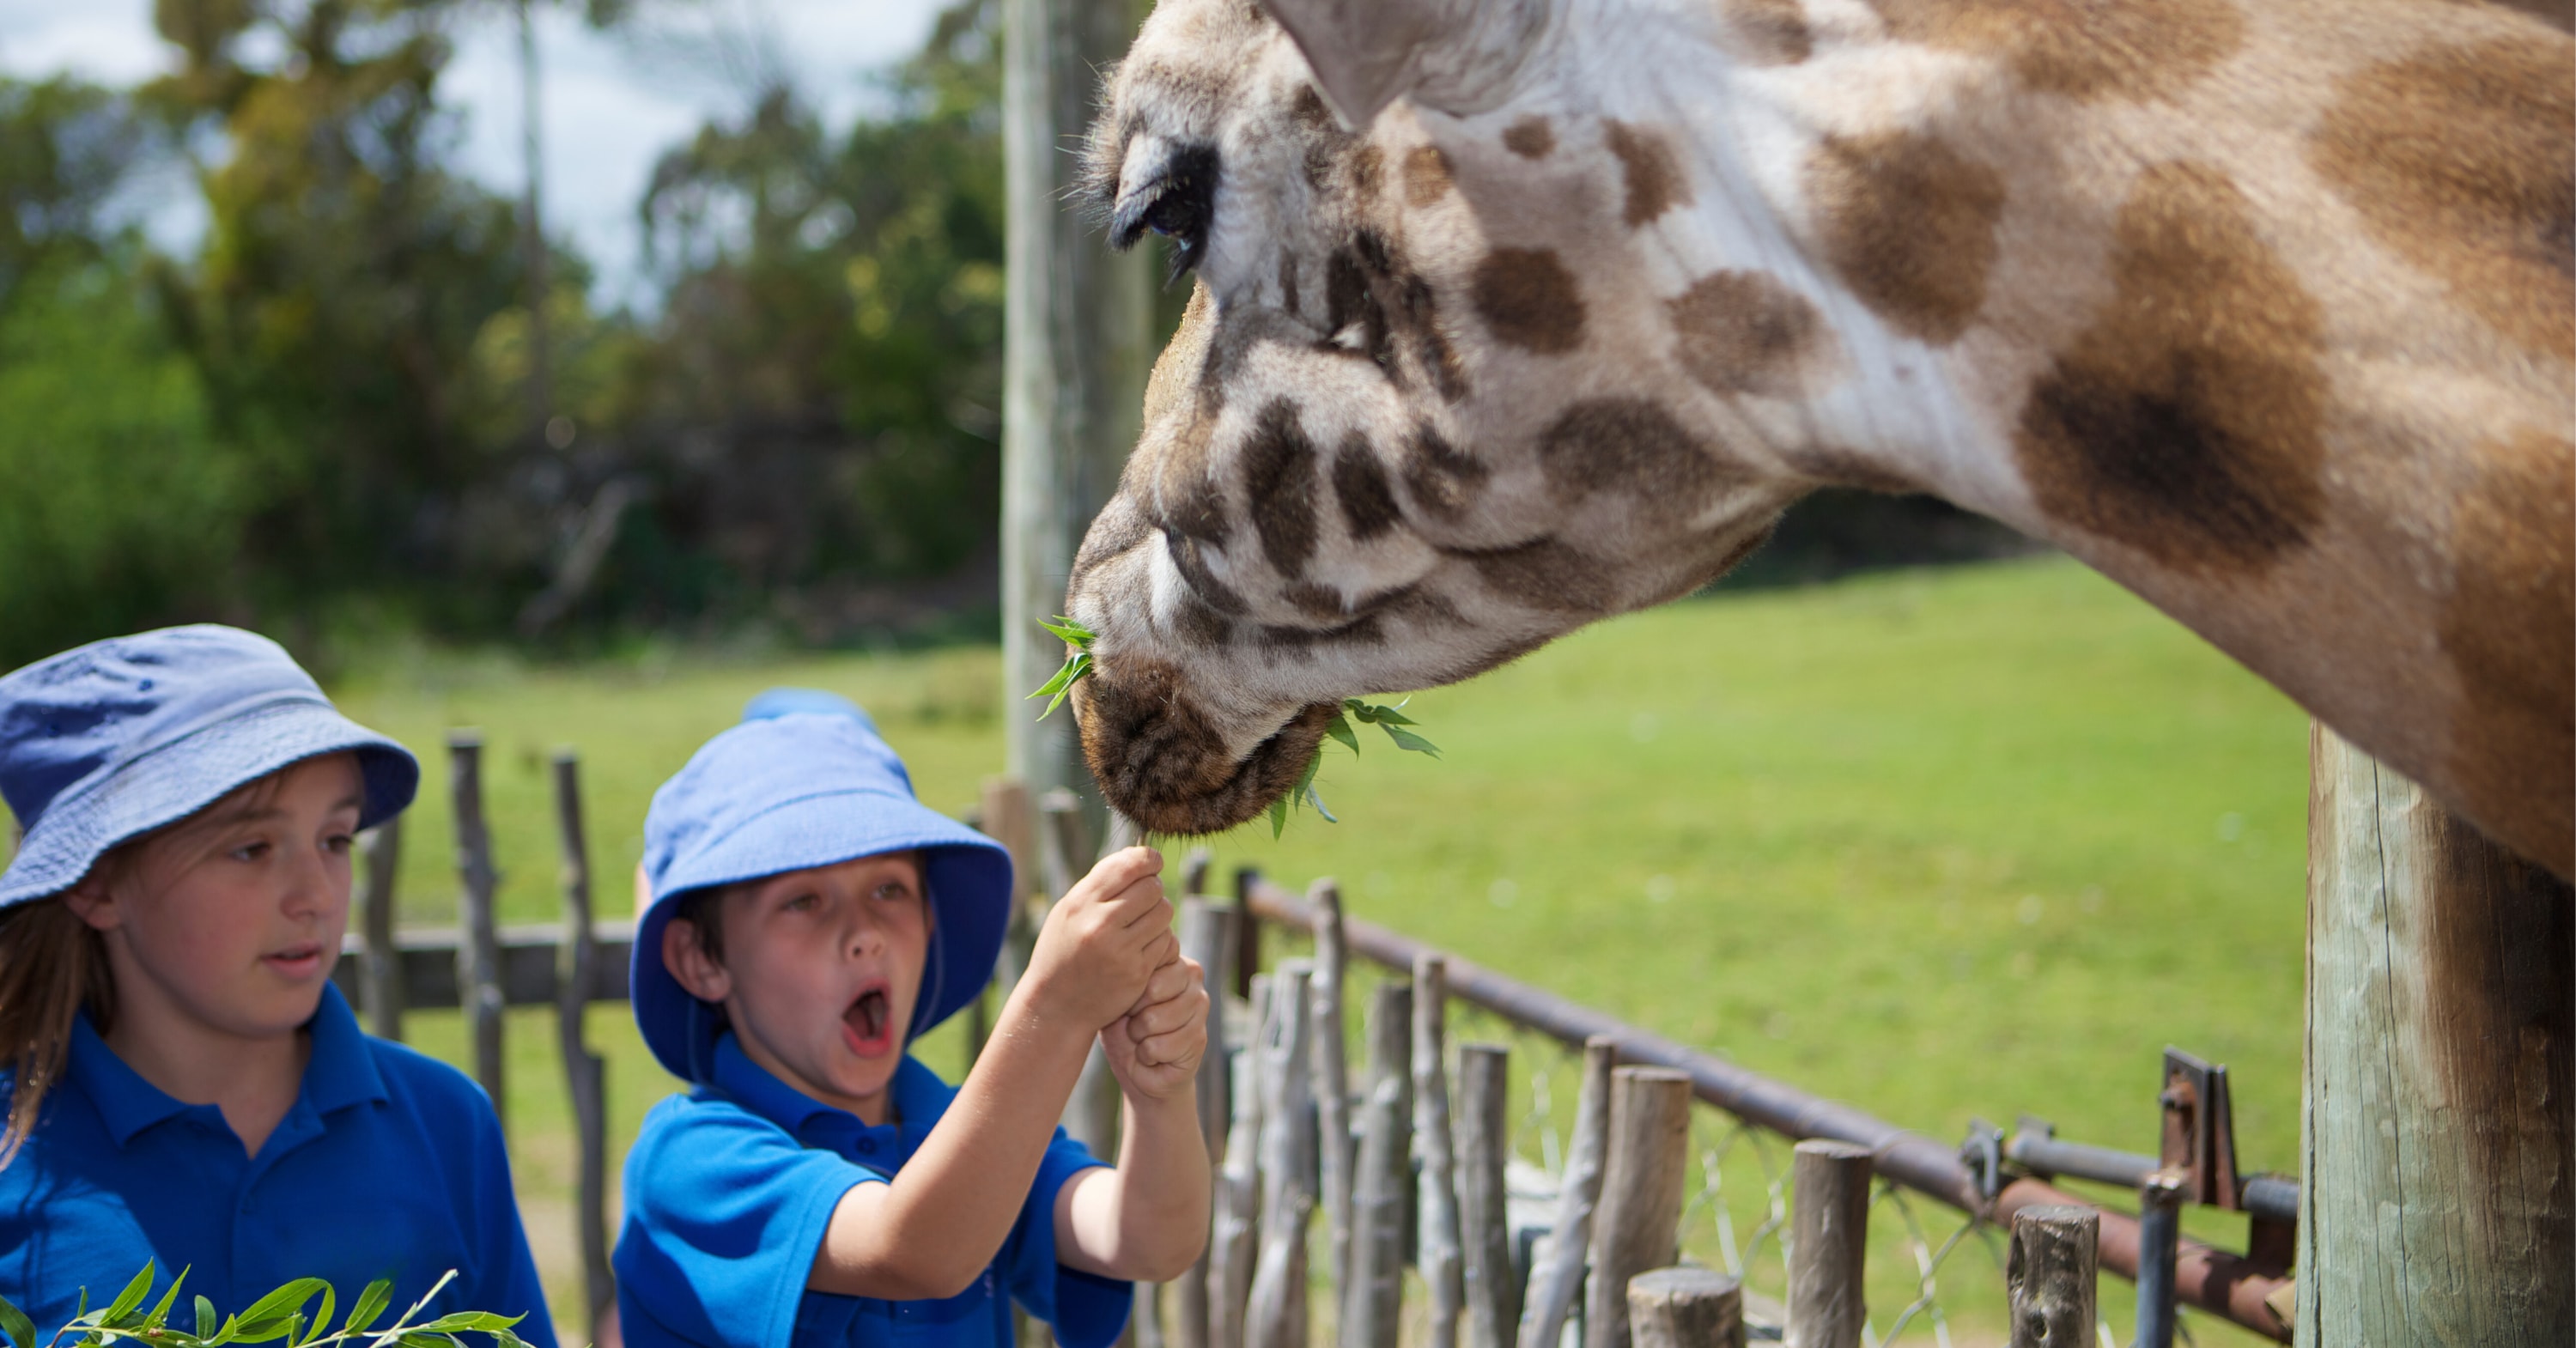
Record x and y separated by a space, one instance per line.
729 1190
388 1166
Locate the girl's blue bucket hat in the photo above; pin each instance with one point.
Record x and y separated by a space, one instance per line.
805 781
107 742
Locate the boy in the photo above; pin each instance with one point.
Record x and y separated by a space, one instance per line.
808 917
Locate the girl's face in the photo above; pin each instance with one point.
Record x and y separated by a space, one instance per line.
230 920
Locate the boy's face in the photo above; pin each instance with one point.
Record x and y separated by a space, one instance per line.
819 973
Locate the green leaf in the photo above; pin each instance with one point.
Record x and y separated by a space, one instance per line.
462 1321
1278 817
130 1298
281 1304
417 1339
1071 632
1316 799
322 1318
1340 728
1062 684
371 1303
161 1313
1406 739
207 1320
15 1324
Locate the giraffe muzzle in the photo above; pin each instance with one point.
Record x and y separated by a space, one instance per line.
1160 759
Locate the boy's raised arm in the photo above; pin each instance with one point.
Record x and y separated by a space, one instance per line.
933 1228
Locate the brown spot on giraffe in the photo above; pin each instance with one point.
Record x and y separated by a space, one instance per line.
1443 481
1368 500
1368 174
1909 223
1547 575
2134 49
2509 628
1287 292
1654 175
1772 32
1746 332
1198 622
1529 300
2462 160
1530 138
1630 446
1160 757
2185 423
1279 487
1426 175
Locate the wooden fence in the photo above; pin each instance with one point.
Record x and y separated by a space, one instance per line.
1404 1163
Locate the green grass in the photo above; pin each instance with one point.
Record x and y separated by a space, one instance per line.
1975 842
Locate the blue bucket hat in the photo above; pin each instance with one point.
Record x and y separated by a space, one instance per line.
109 741
805 781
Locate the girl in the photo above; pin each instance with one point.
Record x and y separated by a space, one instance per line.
180 1080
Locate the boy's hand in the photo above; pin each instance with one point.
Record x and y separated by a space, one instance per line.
1103 941
1154 1050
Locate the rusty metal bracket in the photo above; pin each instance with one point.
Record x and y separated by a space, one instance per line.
2199 1135
1983 1155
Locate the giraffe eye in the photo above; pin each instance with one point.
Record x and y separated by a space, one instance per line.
1171 192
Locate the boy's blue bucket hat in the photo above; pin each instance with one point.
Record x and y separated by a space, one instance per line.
805 781
109 741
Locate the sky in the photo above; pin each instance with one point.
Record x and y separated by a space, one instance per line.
612 104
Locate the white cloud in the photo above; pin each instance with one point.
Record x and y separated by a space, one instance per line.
612 102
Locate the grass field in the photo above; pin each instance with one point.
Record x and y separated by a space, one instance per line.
1975 842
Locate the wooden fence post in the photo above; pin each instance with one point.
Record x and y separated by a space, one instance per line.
380 980
1554 1284
2050 1275
1437 1253
1641 1194
1372 1302
1332 1081
478 954
1277 1315
1828 1244
1247 933
1686 1307
2436 1123
1484 1227
1237 1207
1207 936
576 973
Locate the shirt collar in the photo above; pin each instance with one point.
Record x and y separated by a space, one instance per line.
340 1072
919 1098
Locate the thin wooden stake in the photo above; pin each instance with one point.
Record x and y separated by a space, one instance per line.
1332 1082
478 956
2050 1275
1828 1244
1207 935
576 974
1373 1301
380 980
1641 1194
1277 1316
1686 1307
1484 1226
1238 1192
1437 1256
1554 1284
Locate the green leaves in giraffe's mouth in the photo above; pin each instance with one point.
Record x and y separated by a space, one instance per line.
1392 720
1057 689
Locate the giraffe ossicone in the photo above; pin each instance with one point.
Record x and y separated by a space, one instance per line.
1512 316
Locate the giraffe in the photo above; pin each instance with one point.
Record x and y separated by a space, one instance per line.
1510 316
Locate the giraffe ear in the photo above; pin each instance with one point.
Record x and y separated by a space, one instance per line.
1457 56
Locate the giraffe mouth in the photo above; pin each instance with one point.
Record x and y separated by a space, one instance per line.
1161 761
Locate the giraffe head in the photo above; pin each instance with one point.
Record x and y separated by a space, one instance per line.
1410 427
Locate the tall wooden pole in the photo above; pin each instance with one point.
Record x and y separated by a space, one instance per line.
1078 336
2436 1204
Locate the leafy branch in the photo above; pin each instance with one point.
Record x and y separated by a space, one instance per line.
1392 720
278 1316
1075 666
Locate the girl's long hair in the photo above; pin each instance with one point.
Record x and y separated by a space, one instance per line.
52 966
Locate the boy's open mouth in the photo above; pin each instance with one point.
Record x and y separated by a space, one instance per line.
302 957
869 1023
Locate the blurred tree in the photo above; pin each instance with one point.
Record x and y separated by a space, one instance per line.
345 275
818 401
67 149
